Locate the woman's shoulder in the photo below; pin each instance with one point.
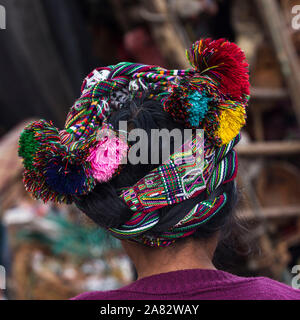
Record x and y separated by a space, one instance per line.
274 290
199 285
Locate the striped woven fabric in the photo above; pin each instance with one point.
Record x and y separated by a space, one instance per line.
63 165
173 183
98 89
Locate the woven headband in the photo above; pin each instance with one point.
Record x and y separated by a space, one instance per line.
173 183
63 165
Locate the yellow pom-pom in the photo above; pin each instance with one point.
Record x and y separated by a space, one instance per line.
230 123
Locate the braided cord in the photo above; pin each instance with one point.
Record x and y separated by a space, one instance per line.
168 184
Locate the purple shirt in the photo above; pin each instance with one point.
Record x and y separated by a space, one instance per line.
198 284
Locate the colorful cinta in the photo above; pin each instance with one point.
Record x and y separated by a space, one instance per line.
63 165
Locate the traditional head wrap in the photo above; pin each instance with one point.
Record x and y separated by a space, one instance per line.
213 95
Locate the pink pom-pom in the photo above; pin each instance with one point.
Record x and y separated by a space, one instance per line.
106 157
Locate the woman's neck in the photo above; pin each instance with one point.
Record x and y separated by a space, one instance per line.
192 254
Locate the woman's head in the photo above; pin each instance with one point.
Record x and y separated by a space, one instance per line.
104 205
160 203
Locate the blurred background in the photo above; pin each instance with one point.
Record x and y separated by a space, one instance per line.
52 251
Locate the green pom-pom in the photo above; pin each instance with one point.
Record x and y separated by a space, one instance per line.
28 147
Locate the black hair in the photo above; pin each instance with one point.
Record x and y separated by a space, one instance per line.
104 206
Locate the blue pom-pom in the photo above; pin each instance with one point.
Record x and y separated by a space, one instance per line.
65 178
199 107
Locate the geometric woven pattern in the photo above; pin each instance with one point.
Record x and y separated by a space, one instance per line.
170 184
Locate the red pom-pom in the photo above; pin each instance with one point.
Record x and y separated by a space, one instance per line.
225 63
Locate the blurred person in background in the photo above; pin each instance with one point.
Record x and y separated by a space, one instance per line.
4 259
